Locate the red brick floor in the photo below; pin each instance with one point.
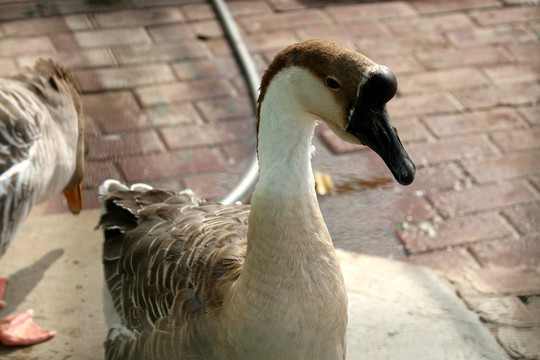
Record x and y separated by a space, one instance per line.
166 104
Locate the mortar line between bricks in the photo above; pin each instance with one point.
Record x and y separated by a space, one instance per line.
429 129
532 187
525 122
468 178
400 245
133 93
498 209
118 169
423 64
530 181
161 138
473 20
183 14
529 28
498 150
51 40
481 70
117 166
200 112
94 24
187 148
472 254
436 209
330 20
454 99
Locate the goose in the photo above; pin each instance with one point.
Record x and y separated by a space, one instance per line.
42 152
190 279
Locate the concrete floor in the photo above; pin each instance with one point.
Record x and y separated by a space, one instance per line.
54 268
396 310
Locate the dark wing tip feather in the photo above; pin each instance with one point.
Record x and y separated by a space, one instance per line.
169 258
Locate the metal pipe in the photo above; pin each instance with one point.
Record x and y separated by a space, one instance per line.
243 189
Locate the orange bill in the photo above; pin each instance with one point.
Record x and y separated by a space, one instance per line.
74 198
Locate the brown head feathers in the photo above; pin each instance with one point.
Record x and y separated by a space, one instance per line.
323 58
45 76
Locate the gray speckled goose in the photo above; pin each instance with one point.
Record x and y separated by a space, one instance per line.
192 280
42 152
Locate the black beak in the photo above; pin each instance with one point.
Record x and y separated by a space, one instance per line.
369 122
373 128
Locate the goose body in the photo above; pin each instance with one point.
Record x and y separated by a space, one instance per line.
187 279
42 149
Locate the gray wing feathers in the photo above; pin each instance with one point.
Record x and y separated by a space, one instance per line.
19 125
14 207
20 119
169 260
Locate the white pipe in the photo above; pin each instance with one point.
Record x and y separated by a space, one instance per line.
243 189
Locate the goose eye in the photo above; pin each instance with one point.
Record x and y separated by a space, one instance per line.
332 83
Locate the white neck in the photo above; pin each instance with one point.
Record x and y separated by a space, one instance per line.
286 189
285 134
290 252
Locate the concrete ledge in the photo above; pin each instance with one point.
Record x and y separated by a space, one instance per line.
400 311
54 267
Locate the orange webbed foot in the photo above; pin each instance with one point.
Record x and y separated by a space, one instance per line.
20 330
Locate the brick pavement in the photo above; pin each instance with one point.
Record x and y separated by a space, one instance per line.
165 104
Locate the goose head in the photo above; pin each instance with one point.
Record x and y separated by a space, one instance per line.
347 91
